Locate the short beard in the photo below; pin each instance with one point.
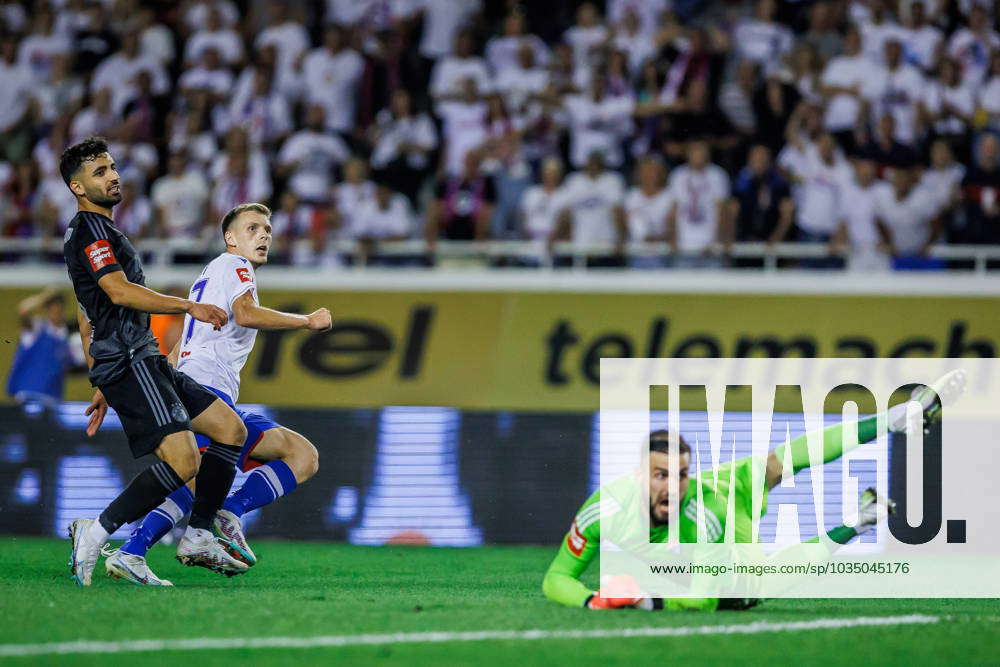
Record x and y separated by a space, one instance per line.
105 200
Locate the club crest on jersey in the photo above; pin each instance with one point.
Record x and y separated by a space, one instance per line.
244 275
575 541
178 412
100 254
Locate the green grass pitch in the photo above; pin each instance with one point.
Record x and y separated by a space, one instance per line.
313 589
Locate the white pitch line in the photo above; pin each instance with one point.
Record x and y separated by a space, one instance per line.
218 643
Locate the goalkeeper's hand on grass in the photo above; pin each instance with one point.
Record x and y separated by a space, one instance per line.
616 593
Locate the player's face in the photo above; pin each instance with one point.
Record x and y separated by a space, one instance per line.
97 180
659 484
251 234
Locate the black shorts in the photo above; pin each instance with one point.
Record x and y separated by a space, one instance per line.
153 399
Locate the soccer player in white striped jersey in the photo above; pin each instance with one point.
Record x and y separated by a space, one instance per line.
279 458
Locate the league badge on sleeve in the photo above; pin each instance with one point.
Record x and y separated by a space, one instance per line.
100 255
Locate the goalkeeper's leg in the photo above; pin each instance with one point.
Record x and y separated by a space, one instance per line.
944 391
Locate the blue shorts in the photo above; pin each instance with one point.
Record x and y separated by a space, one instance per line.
256 426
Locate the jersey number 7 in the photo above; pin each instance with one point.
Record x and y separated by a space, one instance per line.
196 291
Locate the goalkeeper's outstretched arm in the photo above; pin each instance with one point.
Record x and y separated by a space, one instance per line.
578 548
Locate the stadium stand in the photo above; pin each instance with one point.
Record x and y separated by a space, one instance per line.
692 133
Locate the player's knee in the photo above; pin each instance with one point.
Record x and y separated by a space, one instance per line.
184 459
306 459
234 432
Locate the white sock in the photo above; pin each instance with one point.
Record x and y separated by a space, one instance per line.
97 533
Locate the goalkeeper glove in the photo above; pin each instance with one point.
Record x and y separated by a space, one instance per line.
616 592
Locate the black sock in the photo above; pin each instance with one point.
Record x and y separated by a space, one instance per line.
143 494
215 477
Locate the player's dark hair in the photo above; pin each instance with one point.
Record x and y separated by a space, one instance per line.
659 441
77 154
235 211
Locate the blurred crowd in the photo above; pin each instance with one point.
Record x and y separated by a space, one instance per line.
869 125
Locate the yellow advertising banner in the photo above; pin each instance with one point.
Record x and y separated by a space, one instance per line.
541 351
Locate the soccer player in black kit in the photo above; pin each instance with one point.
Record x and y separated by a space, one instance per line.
159 407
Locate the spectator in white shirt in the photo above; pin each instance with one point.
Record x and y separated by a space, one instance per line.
594 212
647 207
502 51
450 71
155 39
261 109
366 15
943 180
922 42
38 49
523 81
330 76
598 122
134 214
897 93
463 124
762 39
700 223
541 204
215 35
385 217
648 12
858 236
290 223
196 14
15 104
876 30
236 186
350 195
820 178
403 141
971 46
949 105
630 38
587 36
98 119
118 72
308 157
209 75
286 35
908 216
442 19
989 95
63 94
648 204
845 82
180 198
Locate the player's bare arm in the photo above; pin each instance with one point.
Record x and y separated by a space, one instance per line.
125 293
248 313
98 405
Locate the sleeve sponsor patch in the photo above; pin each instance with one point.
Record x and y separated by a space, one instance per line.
575 541
244 275
100 254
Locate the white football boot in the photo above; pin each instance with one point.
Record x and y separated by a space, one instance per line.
84 551
229 527
944 391
200 547
132 568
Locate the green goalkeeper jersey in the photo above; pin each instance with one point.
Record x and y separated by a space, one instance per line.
582 543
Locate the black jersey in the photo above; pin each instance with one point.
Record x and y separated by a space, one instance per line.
93 248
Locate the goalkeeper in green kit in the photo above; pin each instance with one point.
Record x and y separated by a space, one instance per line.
582 543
